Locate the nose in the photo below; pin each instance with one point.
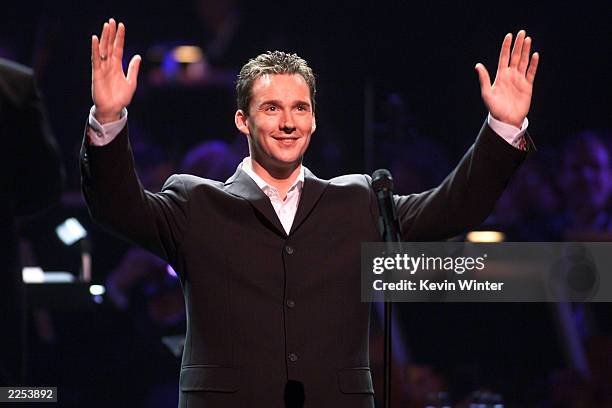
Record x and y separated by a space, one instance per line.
287 124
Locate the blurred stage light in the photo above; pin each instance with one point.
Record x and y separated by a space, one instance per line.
35 274
187 54
171 271
97 290
486 236
70 231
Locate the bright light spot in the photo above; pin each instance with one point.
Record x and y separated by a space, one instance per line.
70 231
187 54
32 274
171 271
486 236
97 290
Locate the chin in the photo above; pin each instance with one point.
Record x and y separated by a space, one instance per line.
284 161
288 163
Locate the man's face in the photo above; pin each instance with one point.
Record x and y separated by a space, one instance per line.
587 176
279 122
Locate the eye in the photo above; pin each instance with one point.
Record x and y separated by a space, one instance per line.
271 108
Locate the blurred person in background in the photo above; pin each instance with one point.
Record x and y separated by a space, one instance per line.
397 133
213 159
575 205
586 183
31 179
529 208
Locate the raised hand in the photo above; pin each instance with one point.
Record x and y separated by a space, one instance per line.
111 90
509 98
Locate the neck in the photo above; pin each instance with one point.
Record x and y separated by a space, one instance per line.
279 178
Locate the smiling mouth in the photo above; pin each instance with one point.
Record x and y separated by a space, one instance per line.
286 141
283 138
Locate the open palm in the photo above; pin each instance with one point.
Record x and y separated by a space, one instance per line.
509 98
111 89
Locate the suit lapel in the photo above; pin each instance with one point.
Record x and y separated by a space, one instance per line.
241 185
311 192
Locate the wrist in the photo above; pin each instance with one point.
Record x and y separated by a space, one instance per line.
512 122
106 117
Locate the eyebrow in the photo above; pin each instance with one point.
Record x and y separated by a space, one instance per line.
279 103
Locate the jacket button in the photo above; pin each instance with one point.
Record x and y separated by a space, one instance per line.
293 357
290 303
289 249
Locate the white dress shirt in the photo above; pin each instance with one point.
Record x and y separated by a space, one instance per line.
285 209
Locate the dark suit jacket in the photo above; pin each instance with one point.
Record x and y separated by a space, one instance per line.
31 177
265 307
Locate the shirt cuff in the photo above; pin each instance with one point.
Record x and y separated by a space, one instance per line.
511 134
101 135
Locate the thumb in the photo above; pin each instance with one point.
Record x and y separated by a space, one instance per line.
483 77
133 68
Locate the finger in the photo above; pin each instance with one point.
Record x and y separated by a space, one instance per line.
104 40
119 40
518 47
95 52
483 77
112 30
533 67
133 68
524 61
504 54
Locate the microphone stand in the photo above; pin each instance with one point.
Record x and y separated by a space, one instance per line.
382 183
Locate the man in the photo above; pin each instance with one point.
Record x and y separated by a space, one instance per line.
587 184
269 260
31 179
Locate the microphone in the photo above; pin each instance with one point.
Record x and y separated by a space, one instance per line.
382 183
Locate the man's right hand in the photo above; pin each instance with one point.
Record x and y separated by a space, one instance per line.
111 90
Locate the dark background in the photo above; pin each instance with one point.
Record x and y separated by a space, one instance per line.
423 52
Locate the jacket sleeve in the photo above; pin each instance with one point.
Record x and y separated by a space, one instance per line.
117 200
466 196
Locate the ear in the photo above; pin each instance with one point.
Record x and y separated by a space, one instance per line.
314 124
240 119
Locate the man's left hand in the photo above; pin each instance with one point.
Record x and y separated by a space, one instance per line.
509 98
